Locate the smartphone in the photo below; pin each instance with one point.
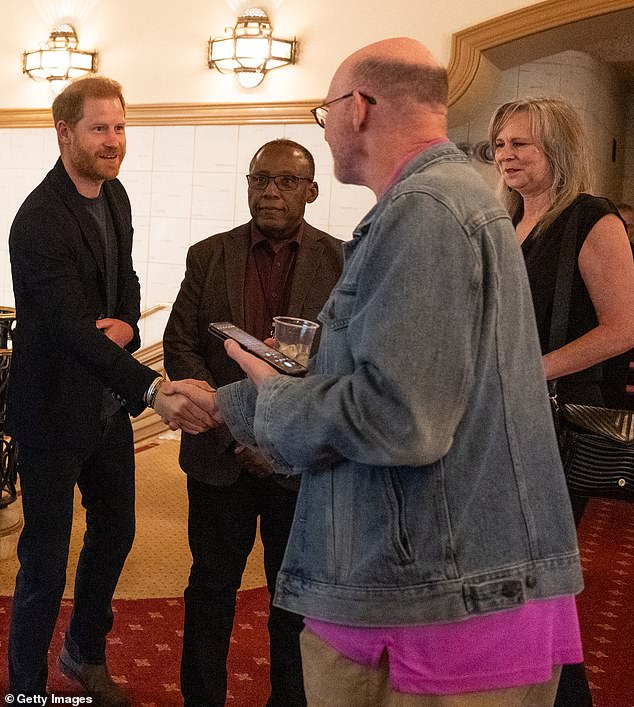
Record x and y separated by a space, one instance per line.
281 363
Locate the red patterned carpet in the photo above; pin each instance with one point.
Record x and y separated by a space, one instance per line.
144 650
606 606
145 644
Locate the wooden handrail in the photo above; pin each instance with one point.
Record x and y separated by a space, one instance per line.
148 423
155 308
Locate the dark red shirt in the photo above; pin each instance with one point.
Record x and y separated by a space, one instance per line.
268 279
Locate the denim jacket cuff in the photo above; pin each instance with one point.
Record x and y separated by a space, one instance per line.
267 416
236 402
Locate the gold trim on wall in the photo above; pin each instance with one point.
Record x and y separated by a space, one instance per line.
180 114
467 46
468 68
220 113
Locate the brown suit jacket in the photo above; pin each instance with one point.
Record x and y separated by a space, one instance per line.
213 290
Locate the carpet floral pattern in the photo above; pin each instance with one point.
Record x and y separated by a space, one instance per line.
606 606
145 644
144 650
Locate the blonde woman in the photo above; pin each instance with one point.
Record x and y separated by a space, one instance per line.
542 154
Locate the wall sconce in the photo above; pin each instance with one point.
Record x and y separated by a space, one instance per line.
249 49
58 59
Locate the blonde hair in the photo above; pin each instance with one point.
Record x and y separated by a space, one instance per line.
559 133
69 104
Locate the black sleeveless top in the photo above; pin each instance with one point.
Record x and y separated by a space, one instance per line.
541 254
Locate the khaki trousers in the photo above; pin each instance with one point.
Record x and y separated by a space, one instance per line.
331 680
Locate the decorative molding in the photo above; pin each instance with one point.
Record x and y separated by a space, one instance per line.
220 113
26 118
180 114
467 46
468 68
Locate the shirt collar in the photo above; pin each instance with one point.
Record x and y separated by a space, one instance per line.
258 237
441 149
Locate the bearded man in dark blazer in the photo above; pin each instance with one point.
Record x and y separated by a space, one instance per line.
72 388
276 264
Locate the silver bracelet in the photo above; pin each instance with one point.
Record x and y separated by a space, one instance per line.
150 390
150 396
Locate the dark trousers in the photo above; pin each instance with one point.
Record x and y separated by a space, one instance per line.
105 476
574 689
222 528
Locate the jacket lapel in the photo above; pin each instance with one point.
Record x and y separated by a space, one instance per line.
72 199
306 265
91 237
236 253
122 233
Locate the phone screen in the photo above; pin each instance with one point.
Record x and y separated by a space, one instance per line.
279 361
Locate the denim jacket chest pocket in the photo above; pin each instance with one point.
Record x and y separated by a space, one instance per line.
335 354
340 306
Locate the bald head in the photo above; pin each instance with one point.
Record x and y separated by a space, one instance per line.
400 69
402 49
395 105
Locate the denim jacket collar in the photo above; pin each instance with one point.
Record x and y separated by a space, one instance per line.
443 151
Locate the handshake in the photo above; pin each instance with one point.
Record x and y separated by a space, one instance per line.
189 405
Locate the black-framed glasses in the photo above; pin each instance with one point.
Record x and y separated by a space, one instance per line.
284 182
321 112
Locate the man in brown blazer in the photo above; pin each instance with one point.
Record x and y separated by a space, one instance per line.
276 264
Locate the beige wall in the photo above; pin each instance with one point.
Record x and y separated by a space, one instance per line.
157 48
187 182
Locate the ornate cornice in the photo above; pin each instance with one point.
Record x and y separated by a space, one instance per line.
467 66
180 114
468 45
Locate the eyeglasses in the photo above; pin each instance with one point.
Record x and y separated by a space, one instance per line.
284 182
321 112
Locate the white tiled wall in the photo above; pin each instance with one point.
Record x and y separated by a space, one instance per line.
185 183
591 86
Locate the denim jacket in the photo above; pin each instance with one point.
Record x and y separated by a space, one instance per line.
431 488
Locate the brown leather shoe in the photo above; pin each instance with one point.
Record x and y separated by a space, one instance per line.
95 679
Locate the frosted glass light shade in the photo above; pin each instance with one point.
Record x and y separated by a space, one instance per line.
58 59
249 49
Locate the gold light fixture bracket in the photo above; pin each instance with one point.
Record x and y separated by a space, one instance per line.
58 59
249 49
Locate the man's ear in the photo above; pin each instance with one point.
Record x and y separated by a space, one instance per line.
312 192
360 111
63 131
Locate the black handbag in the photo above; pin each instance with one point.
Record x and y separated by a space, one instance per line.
596 443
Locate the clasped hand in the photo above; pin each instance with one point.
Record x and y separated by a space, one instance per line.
190 405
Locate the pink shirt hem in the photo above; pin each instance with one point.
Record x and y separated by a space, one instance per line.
496 651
